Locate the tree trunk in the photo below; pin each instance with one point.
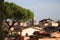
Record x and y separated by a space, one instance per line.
19 25
1 11
10 26
1 19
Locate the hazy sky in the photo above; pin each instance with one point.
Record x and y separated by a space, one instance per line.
41 8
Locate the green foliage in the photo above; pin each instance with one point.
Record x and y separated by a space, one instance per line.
16 12
16 35
1 2
36 36
39 36
50 29
32 36
13 11
3 34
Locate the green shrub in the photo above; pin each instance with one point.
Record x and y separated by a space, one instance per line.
16 35
32 36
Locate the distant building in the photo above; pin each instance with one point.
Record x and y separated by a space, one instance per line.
45 22
24 24
36 23
55 24
33 23
48 22
58 22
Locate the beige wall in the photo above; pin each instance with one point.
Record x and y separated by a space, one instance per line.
50 39
41 24
54 24
55 34
26 38
36 23
46 24
23 24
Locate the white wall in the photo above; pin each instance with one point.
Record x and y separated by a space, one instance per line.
29 31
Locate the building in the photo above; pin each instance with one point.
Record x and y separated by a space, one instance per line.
29 31
47 22
55 24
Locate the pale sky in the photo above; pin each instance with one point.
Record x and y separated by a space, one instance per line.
42 8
